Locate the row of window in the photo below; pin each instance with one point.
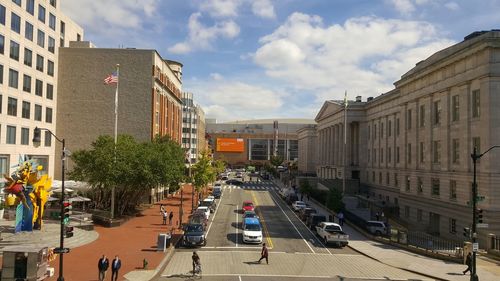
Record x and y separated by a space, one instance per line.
30 8
26 109
436 152
28 56
435 118
186 140
452 223
27 83
186 130
11 136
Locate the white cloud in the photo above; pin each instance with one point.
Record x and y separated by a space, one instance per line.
216 76
220 8
201 37
363 56
263 8
405 7
453 6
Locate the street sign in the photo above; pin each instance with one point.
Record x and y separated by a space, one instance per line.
61 251
475 247
482 225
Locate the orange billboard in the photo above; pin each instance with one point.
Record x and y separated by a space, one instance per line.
230 145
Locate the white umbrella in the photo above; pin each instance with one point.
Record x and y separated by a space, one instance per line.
66 190
79 199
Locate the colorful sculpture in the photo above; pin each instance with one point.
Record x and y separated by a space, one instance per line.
31 193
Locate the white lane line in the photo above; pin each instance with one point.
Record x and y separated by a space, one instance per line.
213 217
305 241
239 277
237 215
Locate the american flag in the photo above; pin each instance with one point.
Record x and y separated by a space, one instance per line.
111 79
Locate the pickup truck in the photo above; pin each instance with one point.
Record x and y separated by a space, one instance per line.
332 233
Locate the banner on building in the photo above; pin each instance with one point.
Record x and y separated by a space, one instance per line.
230 145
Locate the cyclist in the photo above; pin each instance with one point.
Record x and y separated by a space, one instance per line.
196 263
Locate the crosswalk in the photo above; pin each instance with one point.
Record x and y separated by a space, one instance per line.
253 186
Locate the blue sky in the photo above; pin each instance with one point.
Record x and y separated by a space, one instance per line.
253 59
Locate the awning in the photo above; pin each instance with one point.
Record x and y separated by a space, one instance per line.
79 199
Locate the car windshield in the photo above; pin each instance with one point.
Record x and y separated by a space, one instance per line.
252 227
332 228
194 228
248 204
250 215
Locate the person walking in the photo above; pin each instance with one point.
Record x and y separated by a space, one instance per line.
164 216
196 263
264 253
162 208
468 262
103 265
340 215
115 267
170 217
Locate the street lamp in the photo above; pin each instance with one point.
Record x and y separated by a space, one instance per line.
475 156
36 143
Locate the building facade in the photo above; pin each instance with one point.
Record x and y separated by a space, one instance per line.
308 152
411 146
193 128
254 142
149 95
31 33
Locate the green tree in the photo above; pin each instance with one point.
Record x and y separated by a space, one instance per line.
219 166
334 200
305 187
204 172
276 160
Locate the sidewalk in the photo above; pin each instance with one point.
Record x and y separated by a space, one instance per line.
487 270
133 242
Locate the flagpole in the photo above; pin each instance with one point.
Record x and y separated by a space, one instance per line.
345 142
116 137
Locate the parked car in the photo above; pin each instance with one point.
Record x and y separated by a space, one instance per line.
224 178
210 203
217 192
252 231
248 206
332 233
297 205
234 182
205 210
314 219
304 213
198 218
194 235
249 214
378 228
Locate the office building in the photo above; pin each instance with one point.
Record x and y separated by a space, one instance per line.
193 128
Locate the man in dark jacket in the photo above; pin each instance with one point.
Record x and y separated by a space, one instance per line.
103 265
468 262
115 266
264 254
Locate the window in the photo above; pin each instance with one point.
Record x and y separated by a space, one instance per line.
28 31
375 156
78 37
14 50
53 3
455 106
369 132
408 184
455 151
40 40
373 176
453 226
2 14
422 116
1 74
421 151
50 68
13 78
11 135
52 21
407 211
453 190
389 150
382 130
12 107
25 136
375 131
26 110
30 7
15 23
48 115
437 112
28 57
476 142
397 154
435 187
50 91
436 150
1 105
409 153
48 138
63 28
369 154
39 63
397 127
408 119
380 177
381 155
41 13
2 44
27 83
39 88
419 215
38 112
52 45
396 180
476 103
18 2
387 178
420 185
389 128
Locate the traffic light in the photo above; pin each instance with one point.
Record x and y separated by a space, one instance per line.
67 211
466 232
479 215
36 137
68 231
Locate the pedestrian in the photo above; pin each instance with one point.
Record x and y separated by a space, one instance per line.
103 265
162 208
468 262
115 266
264 253
340 215
377 216
196 261
164 216
170 217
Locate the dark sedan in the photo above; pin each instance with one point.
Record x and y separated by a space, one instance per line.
234 182
194 235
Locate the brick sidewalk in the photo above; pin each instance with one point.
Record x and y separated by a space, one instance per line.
133 242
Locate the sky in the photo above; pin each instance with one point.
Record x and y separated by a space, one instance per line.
256 59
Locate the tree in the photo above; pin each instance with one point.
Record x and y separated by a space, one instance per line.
305 187
219 166
204 172
276 160
334 200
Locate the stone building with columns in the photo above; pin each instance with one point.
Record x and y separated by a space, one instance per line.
411 147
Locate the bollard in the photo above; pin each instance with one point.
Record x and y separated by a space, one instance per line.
145 264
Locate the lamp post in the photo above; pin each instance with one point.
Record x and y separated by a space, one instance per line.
475 156
36 143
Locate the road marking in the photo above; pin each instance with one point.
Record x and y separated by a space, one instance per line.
237 213
239 277
305 241
264 225
213 217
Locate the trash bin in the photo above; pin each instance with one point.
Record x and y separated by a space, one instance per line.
163 241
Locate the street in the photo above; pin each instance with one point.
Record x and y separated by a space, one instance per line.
294 251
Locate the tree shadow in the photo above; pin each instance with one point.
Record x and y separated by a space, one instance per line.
188 275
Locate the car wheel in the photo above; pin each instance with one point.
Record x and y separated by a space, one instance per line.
378 233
